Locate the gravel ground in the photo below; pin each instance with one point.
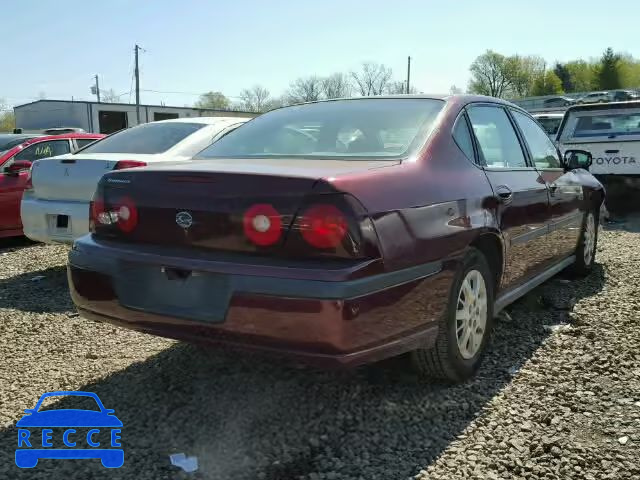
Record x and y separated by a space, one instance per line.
558 396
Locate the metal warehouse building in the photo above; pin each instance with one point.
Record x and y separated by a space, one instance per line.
102 117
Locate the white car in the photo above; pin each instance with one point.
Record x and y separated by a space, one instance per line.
550 122
611 132
595 97
55 203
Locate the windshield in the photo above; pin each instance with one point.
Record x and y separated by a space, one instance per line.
7 142
605 124
350 129
149 138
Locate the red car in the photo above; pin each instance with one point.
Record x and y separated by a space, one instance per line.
14 168
343 232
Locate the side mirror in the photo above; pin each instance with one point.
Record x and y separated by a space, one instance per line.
574 159
17 166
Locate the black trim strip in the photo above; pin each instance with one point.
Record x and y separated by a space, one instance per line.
511 296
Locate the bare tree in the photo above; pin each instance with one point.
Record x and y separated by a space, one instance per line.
305 89
336 86
372 79
255 99
399 87
455 90
109 96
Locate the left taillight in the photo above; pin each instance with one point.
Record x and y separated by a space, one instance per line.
122 213
121 164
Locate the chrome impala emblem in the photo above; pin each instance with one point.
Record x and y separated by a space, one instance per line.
184 220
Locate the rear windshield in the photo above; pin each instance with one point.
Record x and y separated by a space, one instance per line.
550 124
148 138
349 129
622 124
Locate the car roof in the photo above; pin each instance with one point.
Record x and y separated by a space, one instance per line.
548 115
603 106
63 136
206 120
461 99
18 136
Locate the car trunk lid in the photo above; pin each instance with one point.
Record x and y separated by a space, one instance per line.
207 204
74 177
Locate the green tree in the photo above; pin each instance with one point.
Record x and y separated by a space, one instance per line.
213 101
564 75
583 75
547 83
609 71
522 71
491 74
7 118
629 71
7 121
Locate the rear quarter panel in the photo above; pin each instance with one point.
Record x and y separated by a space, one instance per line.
428 209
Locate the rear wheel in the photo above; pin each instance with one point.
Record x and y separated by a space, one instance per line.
586 251
464 330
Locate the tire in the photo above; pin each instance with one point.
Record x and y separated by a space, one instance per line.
587 245
448 360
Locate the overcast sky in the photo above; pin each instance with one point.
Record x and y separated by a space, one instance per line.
194 46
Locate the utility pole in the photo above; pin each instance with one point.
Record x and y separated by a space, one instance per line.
408 72
97 88
137 74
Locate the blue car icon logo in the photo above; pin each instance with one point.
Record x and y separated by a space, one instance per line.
73 441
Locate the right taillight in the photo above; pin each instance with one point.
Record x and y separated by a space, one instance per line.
323 226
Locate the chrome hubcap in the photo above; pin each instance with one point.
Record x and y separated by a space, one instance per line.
471 314
589 238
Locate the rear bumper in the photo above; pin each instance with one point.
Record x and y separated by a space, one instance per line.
336 322
39 219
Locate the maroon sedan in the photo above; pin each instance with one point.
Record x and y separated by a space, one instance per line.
343 232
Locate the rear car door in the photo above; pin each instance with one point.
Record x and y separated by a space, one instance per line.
521 193
12 186
564 189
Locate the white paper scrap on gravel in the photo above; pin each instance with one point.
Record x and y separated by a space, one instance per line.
188 464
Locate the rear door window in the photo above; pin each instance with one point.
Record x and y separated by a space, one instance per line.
601 125
44 150
498 142
83 142
463 138
543 152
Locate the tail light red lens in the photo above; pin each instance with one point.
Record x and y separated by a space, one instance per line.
323 226
262 225
129 164
123 214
